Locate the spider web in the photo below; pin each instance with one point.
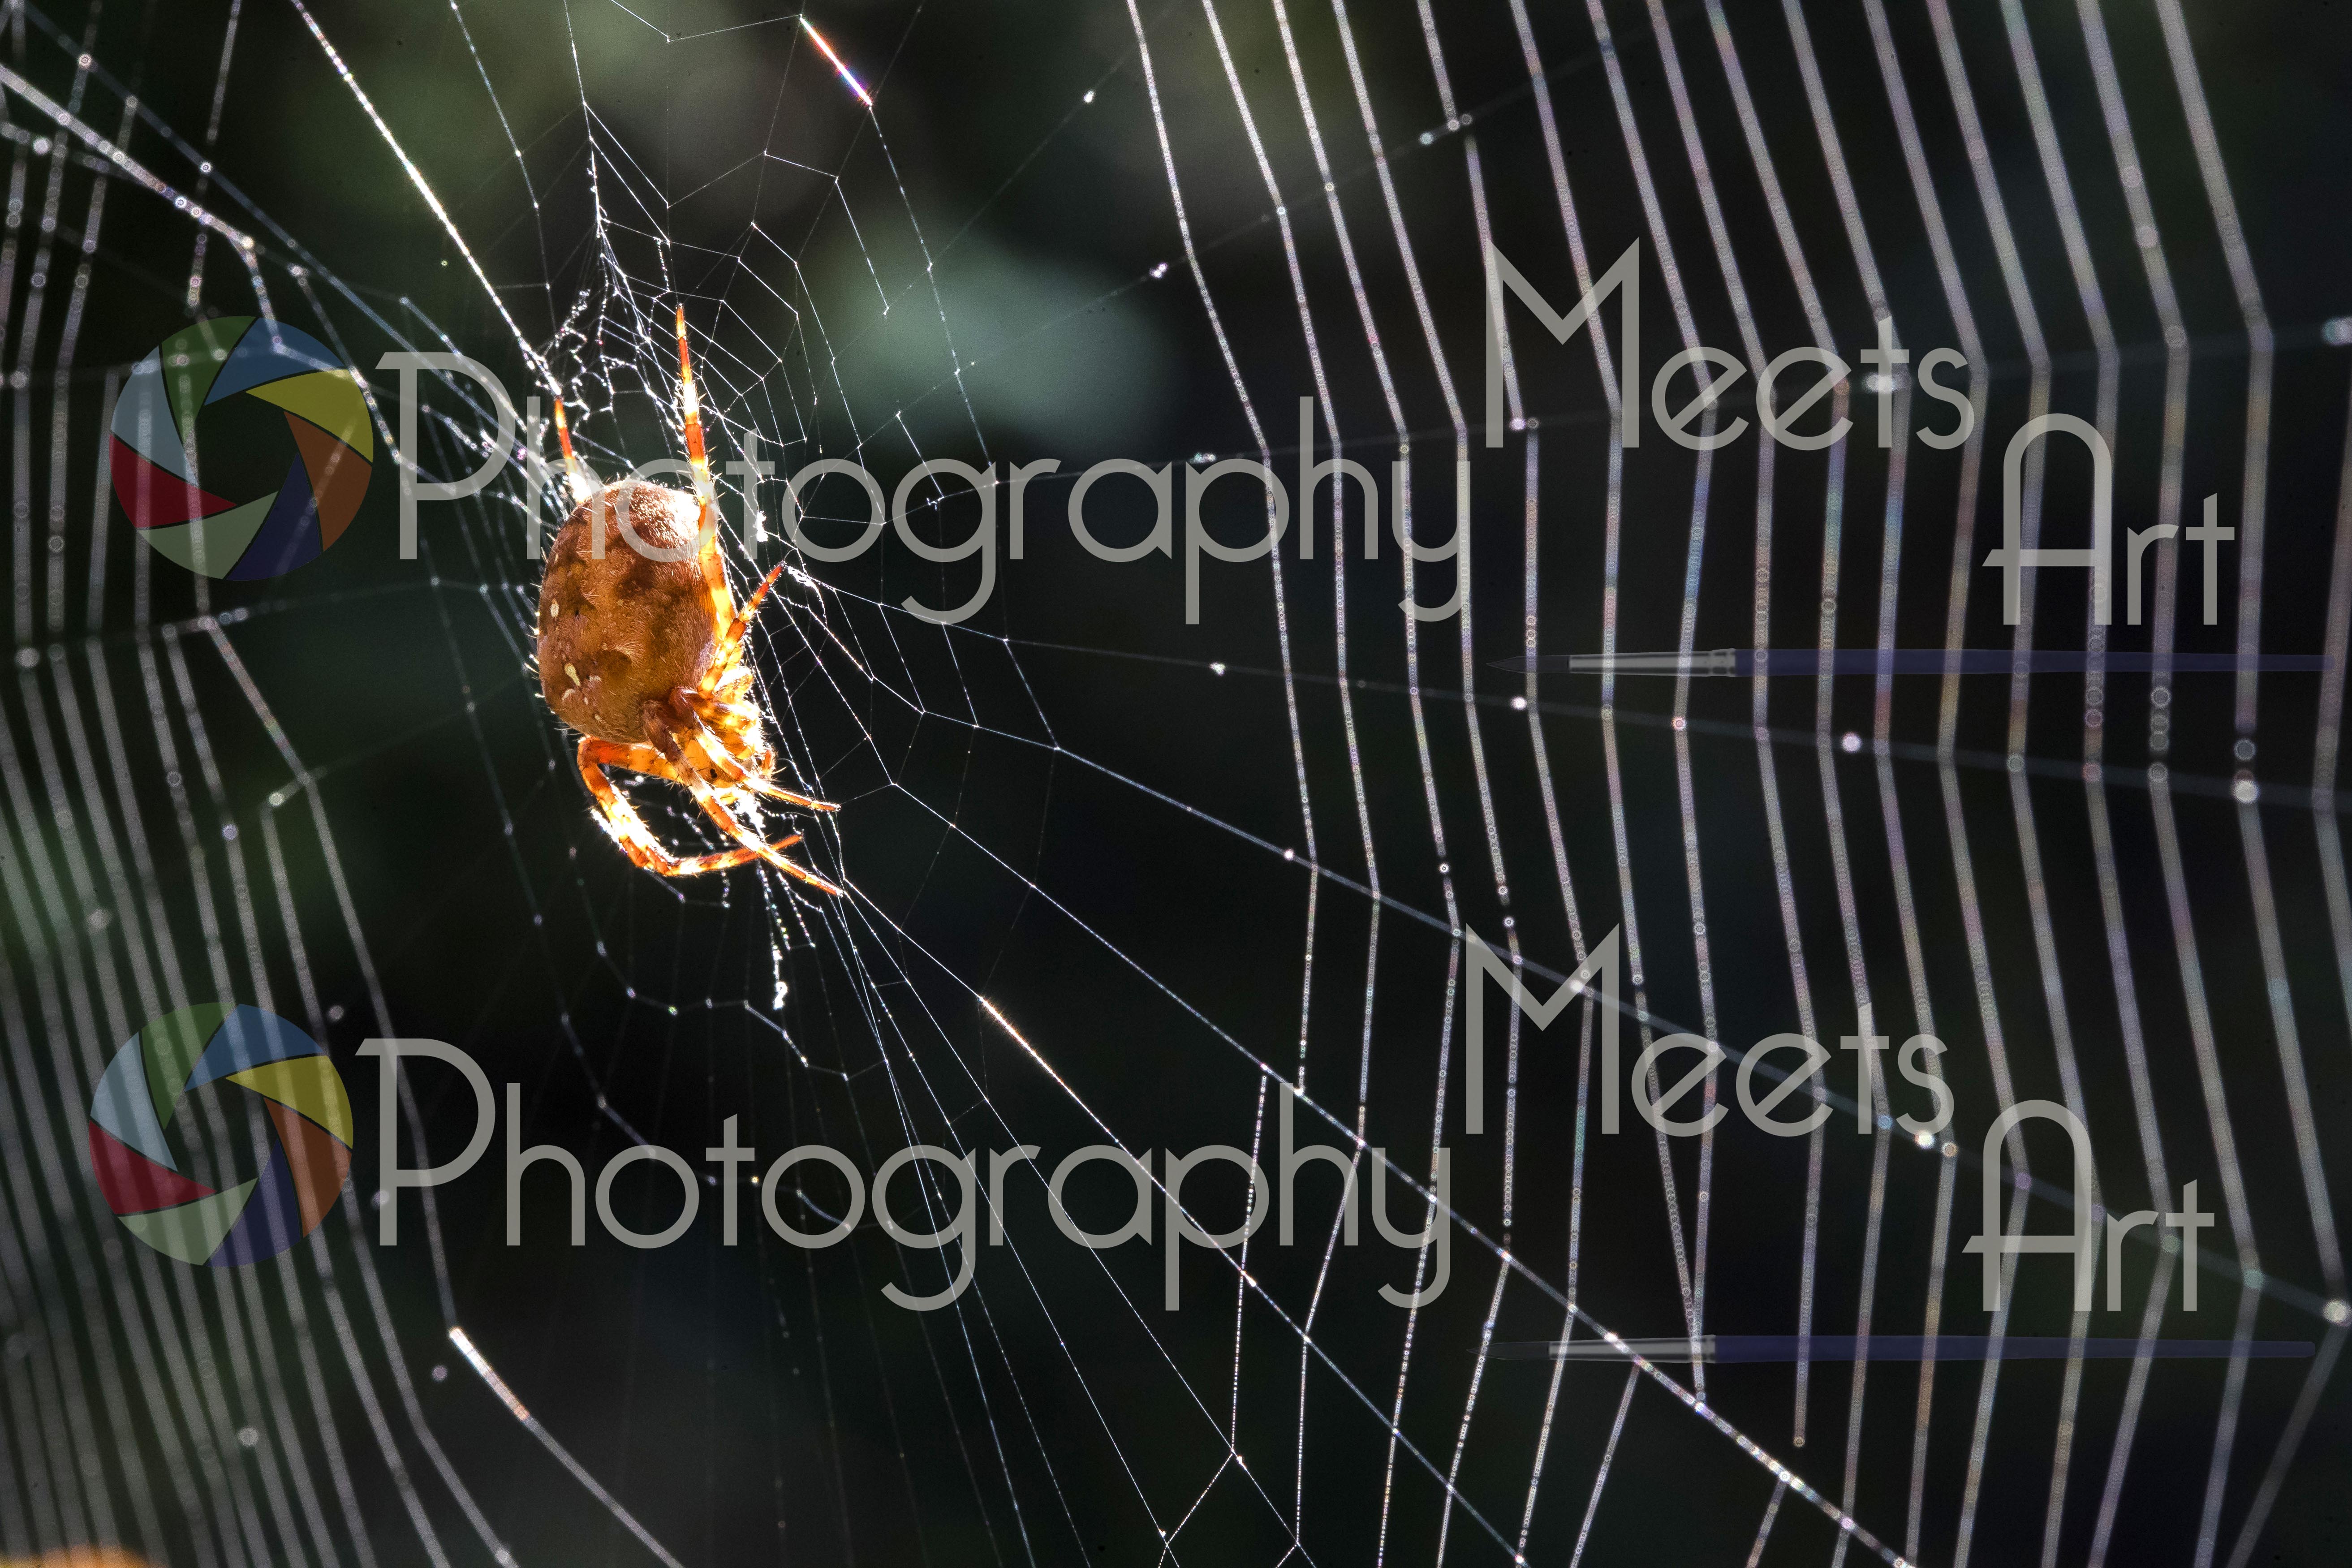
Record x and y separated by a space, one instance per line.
1118 881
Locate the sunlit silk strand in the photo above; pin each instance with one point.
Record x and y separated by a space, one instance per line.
846 75
1749 663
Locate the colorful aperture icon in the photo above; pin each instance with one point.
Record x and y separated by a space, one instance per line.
220 1135
253 504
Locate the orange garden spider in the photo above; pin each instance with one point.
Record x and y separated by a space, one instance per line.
641 650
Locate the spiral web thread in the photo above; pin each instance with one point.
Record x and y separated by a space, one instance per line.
139 1403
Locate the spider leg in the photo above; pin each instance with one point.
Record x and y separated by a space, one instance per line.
714 572
730 640
573 473
668 746
723 725
705 495
626 828
716 809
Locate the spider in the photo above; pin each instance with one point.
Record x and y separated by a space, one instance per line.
645 657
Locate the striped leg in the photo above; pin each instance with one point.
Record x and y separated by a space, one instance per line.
724 724
672 731
627 828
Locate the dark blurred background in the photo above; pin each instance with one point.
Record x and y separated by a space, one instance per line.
1090 811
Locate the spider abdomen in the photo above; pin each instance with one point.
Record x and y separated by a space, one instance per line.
622 629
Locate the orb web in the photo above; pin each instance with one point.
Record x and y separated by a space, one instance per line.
2153 932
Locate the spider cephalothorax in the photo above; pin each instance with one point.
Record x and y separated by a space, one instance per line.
641 650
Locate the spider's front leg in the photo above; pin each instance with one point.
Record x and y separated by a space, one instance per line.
706 496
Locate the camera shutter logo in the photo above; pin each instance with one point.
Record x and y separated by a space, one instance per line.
146 1090
193 378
